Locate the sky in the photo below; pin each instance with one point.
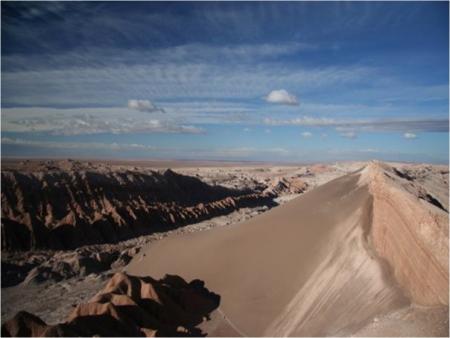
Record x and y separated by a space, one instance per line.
240 81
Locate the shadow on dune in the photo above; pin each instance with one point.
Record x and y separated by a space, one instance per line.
130 306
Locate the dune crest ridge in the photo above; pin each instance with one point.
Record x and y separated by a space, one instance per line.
327 263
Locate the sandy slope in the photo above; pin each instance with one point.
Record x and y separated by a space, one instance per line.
323 264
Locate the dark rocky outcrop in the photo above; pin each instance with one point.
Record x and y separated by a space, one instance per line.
60 208
129 306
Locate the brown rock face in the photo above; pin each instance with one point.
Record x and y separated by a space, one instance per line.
24 324
129 306
410 233
283 186
57 208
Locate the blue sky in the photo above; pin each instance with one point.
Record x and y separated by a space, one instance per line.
283 82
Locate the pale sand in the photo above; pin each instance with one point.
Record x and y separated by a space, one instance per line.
304 268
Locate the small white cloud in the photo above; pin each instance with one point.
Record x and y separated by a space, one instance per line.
247 130
144 106
349 134
409 136
267 131
281 96
324 135
306 134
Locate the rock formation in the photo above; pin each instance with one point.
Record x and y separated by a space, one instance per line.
283 186
60 208
129 306
410 232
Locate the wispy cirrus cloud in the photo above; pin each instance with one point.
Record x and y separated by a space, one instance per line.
30 11
75 145
193 53
91 121
82 86
89 147
393 125
301 121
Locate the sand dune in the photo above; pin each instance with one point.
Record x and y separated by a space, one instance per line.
327 263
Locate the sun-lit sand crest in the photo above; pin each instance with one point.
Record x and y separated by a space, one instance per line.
323 264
